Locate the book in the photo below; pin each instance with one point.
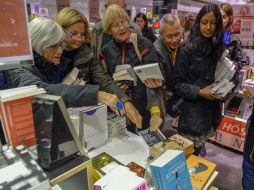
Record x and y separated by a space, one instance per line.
121 178
17 115
148 71
170 171
175 142
200 171
101 163
151 138
225 68
72 78
134 167
222 88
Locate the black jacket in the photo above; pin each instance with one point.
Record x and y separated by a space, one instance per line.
116 54
41 75
249 139
189 75
149 34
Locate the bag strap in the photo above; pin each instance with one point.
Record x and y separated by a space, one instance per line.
134 37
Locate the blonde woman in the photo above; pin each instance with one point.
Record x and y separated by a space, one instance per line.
121 50
79 52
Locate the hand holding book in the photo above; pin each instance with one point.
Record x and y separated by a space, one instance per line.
205 93
153 83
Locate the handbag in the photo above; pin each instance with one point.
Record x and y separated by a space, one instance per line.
174 106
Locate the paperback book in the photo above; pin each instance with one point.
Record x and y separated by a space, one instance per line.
151 138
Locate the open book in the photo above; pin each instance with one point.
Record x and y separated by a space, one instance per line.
148 71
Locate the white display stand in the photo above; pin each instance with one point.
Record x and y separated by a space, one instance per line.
126 149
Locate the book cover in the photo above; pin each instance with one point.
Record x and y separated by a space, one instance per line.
148 71
17 115
134 167
175 142
102 160
200 171
170 171
151 138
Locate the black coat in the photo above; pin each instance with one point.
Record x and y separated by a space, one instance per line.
190 74
249 139
149 34
116 54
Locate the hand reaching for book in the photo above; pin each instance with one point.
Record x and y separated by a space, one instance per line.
205 93
249 93
153 83
155 121
133 114
111 101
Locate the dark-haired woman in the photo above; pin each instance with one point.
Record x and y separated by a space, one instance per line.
142 22
193 76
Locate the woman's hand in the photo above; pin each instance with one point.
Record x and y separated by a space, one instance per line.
205 93
133 114
155 121
153 83
249 93
111 101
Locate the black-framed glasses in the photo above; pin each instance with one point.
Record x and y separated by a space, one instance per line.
75 35
61 44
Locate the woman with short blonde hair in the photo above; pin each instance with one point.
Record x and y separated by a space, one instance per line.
112 13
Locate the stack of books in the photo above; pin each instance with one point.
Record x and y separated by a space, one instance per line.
116 126
72 78
17 115
248 84
202 172
125 74
222 88
91 125
225 68
170 171
175 142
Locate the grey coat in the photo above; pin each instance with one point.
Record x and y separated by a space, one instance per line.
41 74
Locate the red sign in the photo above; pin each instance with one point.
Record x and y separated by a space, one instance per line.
14 40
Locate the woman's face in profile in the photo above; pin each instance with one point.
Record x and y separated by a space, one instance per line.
208 24
76 35
53 53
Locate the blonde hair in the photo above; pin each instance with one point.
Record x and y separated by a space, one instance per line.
227 8
112 13
44 32
69 16
168 19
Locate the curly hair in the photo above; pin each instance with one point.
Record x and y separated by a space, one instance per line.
201 46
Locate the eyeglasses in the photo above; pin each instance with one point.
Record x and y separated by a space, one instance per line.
117 26
75 35
61 44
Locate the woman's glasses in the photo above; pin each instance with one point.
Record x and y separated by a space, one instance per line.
118 25
61 44
75 35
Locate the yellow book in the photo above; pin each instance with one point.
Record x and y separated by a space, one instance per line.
200 171
175 142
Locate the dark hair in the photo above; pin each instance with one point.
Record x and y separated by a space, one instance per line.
227 8
143 16
201 46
